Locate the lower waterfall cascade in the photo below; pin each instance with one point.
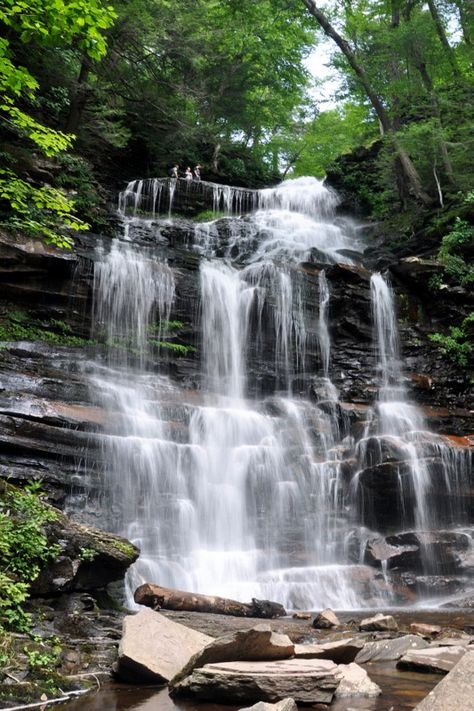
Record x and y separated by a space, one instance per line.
253 479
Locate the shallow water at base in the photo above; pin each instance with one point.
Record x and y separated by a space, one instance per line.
401 691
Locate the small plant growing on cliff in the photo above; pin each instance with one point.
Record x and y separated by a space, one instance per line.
456 344
24 549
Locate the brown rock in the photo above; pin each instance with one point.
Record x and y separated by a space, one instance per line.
326 619
302 615
438 660
258 643
307 681
379 623
342 651
455 691
153 648
425 630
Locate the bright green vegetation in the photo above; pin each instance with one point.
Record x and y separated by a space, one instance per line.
208 216
24 548
18 325
458 344
34 27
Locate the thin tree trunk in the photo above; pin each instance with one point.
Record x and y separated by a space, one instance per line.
410 172
443 38
78 100
466 20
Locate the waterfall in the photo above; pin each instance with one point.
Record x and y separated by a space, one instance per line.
235 481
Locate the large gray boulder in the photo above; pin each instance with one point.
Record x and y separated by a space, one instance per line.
439 660
455 691
153 648
307 681
385 650
255 644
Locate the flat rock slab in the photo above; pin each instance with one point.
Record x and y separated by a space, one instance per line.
455 691
424 629
439 660
258 643
342 651
153 648
386 650
307 681
356 683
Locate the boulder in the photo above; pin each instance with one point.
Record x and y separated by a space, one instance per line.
425 630
326 619
455 691
438 660
302 615
284 705
356 682
379 623
255 644
390 649
342 651
307 681
153 648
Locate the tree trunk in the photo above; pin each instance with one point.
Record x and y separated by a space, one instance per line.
158 598
78 100
409 170
443 38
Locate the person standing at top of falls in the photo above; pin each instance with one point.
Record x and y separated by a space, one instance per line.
188 174
197 172
174 171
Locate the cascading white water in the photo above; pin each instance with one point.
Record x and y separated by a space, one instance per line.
225 491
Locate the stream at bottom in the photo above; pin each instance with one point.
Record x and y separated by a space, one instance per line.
401 691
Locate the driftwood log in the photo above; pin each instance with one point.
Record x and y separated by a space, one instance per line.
159 598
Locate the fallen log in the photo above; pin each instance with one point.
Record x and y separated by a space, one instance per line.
159 598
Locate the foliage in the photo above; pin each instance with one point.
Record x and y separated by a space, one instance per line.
24 548
42 211
450 253
458 343
18 325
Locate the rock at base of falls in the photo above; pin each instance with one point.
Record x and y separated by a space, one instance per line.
425 630
455 691
385 650
307 681
284 705
379 623
343 651
255 644
326 619
153 648
356 682
439 660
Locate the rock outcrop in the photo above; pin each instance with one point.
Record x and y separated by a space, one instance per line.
455 691
153 649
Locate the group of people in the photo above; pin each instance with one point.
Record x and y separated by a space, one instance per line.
188 173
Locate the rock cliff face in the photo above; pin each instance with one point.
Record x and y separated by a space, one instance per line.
48 417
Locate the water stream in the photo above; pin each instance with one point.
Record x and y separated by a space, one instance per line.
225 489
